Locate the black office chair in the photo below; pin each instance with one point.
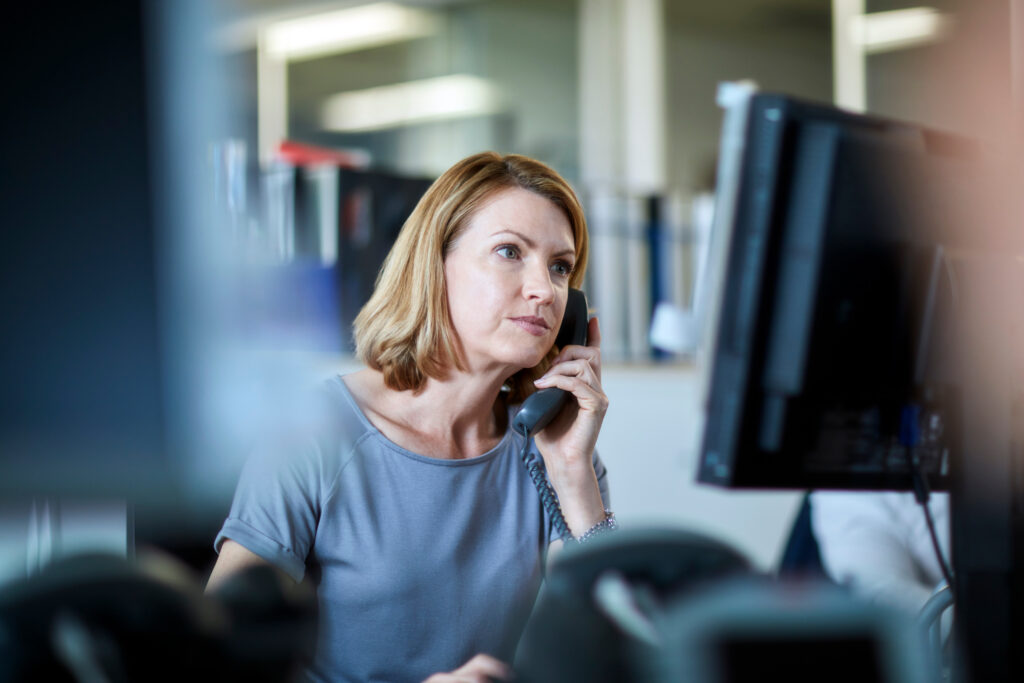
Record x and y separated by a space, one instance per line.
597 618
105 618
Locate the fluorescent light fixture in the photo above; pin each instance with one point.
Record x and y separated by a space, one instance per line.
345 30
391 106
896 29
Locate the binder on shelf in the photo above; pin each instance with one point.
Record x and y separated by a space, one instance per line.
606 280
639 281
327 220
372 209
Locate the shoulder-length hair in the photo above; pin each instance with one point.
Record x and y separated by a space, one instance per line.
405 329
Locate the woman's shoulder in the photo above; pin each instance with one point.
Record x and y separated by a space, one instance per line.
365 396
343 411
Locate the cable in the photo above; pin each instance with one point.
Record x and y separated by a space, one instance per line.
947 574
548 497
922 492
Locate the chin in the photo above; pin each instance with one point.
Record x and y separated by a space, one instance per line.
520 360
535 360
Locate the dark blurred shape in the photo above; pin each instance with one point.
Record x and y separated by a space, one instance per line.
373 208
801 557
103 618
744 631
81 399
571 637
362 210
836 301
110 274
930 620
272 630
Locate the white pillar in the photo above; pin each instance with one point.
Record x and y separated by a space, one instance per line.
849 84
622 158
600 94
271 100
622 96
643 90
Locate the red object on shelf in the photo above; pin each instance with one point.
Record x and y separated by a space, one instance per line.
301 154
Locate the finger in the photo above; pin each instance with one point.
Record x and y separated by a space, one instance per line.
486 665
458 676
586 395
593 333
574 368
591 353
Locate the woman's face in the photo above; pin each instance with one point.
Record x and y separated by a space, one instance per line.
507 277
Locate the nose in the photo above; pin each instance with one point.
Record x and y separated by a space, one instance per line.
538 286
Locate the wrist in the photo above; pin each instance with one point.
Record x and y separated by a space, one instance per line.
582 508
599 529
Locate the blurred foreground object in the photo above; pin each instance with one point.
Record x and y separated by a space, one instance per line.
126 377
670 606
96 618
596 617
740 631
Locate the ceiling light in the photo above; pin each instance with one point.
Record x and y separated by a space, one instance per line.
390 106
896 29
345 30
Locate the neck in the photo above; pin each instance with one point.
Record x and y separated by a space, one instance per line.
461 404
454 417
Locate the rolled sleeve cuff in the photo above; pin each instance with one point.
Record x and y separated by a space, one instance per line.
264 546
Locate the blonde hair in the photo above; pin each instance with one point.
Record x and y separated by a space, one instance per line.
405 329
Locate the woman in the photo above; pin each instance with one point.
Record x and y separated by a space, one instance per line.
411 501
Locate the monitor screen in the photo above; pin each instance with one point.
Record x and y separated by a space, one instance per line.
829 364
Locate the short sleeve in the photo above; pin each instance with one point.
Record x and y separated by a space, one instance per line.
277 504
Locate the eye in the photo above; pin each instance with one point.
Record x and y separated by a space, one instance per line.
563 268
507 251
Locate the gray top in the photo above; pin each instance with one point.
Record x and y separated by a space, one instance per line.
421 562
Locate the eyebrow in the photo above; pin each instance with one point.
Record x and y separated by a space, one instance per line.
529 242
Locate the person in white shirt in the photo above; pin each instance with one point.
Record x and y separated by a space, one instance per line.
878 544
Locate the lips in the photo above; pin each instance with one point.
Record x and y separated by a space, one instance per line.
538 327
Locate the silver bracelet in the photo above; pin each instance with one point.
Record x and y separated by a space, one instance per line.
602 527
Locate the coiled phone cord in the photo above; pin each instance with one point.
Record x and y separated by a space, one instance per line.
547 494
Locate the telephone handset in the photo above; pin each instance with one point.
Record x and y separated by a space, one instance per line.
542 406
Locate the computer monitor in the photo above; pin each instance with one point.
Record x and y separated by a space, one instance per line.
869 310
828 359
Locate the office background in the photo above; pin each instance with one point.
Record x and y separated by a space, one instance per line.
619 95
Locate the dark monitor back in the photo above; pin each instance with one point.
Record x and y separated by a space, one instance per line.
108 111
832 331
81 401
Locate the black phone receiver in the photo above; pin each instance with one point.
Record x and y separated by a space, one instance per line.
542 406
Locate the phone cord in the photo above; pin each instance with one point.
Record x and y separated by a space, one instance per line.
548 497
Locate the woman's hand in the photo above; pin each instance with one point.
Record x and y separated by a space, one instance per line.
480 669
567 443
